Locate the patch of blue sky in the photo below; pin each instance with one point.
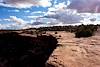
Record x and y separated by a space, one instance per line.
6 22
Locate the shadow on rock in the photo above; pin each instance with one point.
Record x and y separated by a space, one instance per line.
25 51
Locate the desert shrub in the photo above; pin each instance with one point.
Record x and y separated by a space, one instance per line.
59 35
44 32
85 31
56 32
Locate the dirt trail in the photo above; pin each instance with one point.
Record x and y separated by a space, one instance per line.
75 52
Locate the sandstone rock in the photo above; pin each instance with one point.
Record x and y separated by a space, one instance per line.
75 52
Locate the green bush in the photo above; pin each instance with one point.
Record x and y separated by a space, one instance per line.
56 32
84 31
59 35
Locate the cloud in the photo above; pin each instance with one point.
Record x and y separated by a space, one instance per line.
14 10
17 20
90 18
59 6
0 19
55 8
45 3
19 3
37 23
17 23
27 11
80 5
6 19
32 16
85 5
38 12
14 26
25 3
67 16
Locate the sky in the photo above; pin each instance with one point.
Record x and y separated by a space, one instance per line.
22 14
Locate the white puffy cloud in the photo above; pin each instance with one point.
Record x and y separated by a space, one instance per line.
32 16
45 3
14 10
60 6
18 23
55 2
25 3
27 11
66 16
17 10
57 7
17 20
19 3
38 12
15 26
51 9
0 19
6 19
90 18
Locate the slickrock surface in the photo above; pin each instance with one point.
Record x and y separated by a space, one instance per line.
75 52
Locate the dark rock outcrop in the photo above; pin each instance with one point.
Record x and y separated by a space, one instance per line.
25 51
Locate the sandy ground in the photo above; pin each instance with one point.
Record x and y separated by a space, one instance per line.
75 52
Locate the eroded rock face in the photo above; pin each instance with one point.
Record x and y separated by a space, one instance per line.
25 51
75 52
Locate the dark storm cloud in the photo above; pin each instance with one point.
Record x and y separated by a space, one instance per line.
85 5
18 3
25 3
